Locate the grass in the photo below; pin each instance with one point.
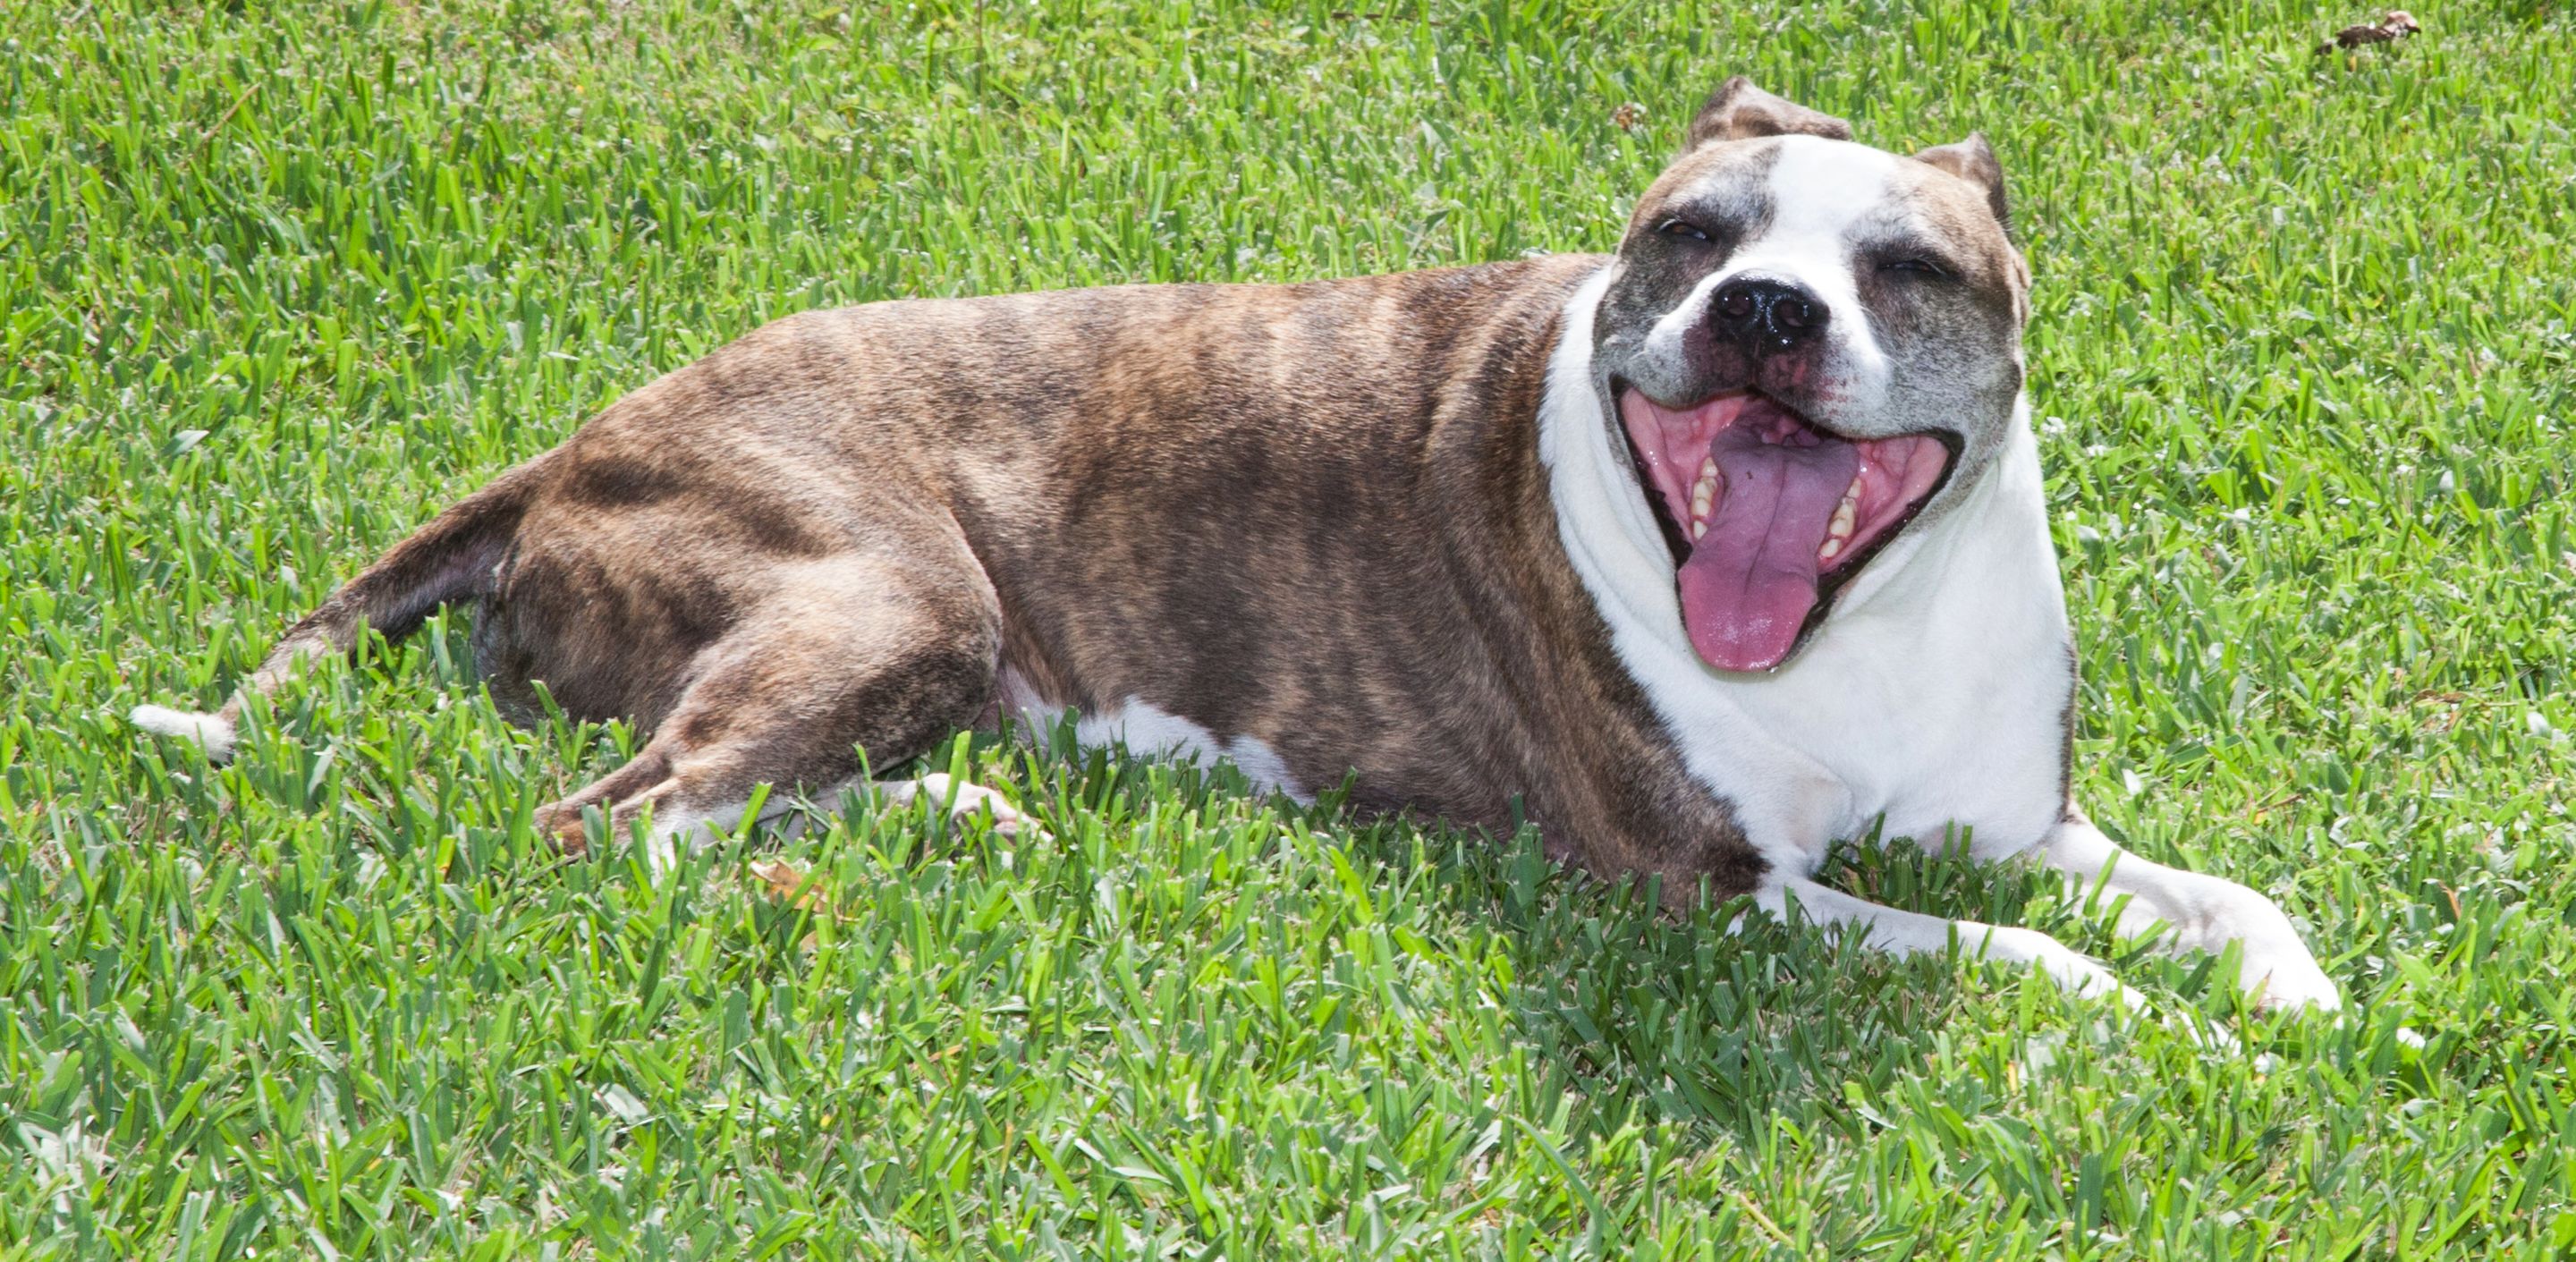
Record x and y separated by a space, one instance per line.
279 280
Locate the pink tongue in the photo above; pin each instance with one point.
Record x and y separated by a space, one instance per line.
1748 583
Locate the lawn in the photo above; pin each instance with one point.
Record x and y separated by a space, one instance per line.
279 280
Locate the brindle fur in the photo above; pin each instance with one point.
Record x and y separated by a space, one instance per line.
1308 514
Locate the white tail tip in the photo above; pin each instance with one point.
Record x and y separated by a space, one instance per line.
212 734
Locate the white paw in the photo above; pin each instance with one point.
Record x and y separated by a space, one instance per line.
2289 979
965 801
2071 970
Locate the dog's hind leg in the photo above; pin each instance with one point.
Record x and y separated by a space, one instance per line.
1914 933
2192 911
852 656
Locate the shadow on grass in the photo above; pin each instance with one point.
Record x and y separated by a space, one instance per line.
1719 1016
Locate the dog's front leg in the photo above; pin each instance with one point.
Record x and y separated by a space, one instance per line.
2191 911
1911 933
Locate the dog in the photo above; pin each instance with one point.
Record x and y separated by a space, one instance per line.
1699 556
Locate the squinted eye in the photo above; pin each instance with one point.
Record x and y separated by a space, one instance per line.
1911 263
1686 231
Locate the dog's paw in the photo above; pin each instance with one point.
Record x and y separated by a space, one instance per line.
2073 971
565 829
2286 981
966 801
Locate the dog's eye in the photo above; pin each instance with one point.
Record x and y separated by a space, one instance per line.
1914 263
1686 231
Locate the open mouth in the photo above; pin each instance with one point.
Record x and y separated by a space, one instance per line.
1768 515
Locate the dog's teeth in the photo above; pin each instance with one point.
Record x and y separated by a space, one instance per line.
1833 548
1846 514
1703 497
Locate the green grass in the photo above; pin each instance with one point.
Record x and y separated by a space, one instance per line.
278 281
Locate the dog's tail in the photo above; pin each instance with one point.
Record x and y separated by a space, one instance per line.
451 558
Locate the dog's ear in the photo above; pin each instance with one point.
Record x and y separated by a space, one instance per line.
1974 160
1740 111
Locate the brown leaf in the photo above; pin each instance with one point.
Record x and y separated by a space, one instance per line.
799 890
2394 25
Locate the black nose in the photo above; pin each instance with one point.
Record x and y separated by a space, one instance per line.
1766 316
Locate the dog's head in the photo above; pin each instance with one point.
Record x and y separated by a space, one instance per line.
1810 347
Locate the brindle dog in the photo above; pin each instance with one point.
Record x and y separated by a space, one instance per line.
1700 556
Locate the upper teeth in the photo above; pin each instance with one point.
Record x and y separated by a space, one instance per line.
1703 497
1846 515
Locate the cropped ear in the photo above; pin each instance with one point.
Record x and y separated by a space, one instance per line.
1740 111
1974 160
